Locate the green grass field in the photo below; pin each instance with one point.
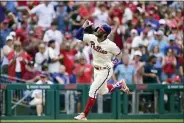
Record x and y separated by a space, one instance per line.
97 121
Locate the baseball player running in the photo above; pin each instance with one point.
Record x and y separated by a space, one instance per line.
103 51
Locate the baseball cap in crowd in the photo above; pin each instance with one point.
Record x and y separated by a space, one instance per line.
160 32
13 34
137 53
162 22
133 31
9 38
106 28
171 37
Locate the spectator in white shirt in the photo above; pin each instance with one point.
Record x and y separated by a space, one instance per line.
5 51
40 57
38 95
139 41
54 34
128 15
100 15
46 14
53 58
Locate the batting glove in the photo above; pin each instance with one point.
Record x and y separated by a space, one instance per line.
87 23
115 61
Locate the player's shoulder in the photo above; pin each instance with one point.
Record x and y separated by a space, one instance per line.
89 37
111 43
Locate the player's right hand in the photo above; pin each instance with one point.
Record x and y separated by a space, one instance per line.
87 23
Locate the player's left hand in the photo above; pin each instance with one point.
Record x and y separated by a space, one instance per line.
87 23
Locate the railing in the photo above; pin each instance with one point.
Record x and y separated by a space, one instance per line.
65 101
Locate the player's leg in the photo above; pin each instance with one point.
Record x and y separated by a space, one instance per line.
101 77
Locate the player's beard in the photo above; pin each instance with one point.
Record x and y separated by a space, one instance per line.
98 35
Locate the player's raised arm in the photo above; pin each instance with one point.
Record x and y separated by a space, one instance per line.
80 32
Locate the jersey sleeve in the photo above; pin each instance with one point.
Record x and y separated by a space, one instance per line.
87 38
115 50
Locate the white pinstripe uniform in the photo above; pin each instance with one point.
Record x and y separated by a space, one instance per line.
103 53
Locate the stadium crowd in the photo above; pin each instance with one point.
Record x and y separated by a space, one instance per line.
38 39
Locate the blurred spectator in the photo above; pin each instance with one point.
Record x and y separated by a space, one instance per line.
158 41
127 44
100 14
6 50
2 11
150 31
4 32
117 33
125 71
152 20
38 95
169 64
41 57
139 41
62 18
158 65
83 71
76 19
85 50
150 72
181 66
54 34
22 33
128 14
31 45
164 27
145 53
31 75
61 77
46 14
68 57
173 45
53 58
139 67
17 60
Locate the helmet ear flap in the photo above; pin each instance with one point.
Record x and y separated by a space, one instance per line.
96 29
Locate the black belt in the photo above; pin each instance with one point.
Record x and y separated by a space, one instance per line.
100 68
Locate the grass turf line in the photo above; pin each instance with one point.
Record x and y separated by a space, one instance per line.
98 121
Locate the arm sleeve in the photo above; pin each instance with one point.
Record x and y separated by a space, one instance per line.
115 50
35 9
46 37
80 34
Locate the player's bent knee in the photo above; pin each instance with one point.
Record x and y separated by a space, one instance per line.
93 94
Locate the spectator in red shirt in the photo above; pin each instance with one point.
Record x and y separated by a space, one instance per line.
31 75
169 64
69 57
22 33
118 33
17 61
83 71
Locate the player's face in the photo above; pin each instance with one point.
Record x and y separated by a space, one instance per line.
100 32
